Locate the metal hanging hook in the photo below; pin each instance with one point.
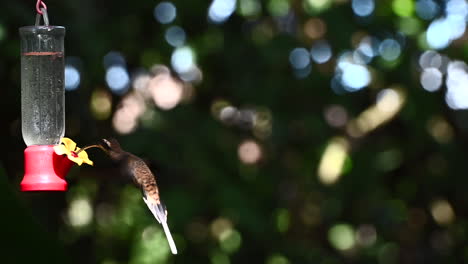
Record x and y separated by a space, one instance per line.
44 16
39 10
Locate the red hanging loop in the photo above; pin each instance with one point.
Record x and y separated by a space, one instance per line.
38 6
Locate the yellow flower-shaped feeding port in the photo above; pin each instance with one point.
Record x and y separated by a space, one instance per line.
69 148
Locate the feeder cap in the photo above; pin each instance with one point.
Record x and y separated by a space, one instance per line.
44 170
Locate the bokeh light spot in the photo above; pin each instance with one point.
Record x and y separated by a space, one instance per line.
456 8
193 75
230 240
80 212
403 8
388 101
363 8
430 59
336 115
165 12
217 106
427 9
321 52
431 79
278 7
366 235
113 58
101 104
316 6
117 79
282 220
368 47
151 248
341 236
183 59
249 152
390 49
315 28
438 34
166 91
229 114
299 58
440 129
220 10
175 36
125 119
333 160
219 226
250 8
140 82
355 76
442 212
263 123
72 78
410 26
457 85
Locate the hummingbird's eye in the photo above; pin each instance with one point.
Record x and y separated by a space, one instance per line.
107 144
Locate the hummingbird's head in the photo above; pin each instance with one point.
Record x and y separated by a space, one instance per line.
112 147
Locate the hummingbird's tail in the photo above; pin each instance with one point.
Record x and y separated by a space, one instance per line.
160 213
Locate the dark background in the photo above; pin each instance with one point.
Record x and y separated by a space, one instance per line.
401 196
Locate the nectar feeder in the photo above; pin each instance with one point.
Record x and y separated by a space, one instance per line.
43 105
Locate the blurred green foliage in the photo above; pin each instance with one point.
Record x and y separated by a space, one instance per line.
261 190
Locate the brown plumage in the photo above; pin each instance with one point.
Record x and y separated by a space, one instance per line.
144 179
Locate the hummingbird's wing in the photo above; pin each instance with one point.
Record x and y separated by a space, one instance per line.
159 212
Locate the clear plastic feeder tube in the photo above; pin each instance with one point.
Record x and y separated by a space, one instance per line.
42 84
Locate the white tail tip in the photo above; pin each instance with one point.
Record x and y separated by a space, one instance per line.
160 216
169 238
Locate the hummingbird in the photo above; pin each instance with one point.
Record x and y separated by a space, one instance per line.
144 179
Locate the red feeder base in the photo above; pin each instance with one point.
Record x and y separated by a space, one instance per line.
44 170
